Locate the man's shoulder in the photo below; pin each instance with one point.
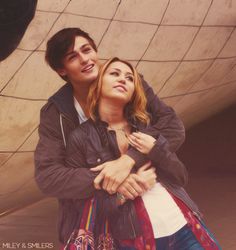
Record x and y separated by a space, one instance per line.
48 107
62 92
58 99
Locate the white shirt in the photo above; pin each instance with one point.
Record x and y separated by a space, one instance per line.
165 215
82 117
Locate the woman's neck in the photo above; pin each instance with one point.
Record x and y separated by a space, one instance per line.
112 113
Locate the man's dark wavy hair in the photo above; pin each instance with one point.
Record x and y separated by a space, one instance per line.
59 44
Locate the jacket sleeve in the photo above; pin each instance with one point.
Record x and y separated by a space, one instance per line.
51 174
169 167
164 121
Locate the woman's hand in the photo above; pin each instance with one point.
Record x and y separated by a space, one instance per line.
132 187
137 184
142 142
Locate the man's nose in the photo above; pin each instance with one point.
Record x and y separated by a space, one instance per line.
83 58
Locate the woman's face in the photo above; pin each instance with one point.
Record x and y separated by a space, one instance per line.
118 83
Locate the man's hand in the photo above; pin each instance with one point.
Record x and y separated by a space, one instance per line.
113 173
137 184
148 177
142 142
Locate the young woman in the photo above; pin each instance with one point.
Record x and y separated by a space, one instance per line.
164 217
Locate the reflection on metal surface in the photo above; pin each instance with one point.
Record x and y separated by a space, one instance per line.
15 16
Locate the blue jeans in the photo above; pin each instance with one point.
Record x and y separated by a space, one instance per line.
184 239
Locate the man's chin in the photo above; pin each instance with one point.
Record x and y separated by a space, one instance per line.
89 80
92 77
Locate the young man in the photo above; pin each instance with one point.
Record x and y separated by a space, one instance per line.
72 53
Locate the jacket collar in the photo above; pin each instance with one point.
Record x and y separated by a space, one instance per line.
135 125
64 101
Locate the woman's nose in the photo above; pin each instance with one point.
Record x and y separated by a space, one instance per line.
122 80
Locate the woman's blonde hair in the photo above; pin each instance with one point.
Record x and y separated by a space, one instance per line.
135 108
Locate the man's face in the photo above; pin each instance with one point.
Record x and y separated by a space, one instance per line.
80 63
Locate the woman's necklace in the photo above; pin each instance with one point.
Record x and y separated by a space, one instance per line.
122 137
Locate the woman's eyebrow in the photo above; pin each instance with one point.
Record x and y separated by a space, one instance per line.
116 69
127 73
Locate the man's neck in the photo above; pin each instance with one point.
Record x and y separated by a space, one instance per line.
80 92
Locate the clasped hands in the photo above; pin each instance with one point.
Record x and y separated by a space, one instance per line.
115 175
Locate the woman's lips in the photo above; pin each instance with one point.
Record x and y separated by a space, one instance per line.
121 87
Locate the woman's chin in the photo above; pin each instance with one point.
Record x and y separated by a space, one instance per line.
117 99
